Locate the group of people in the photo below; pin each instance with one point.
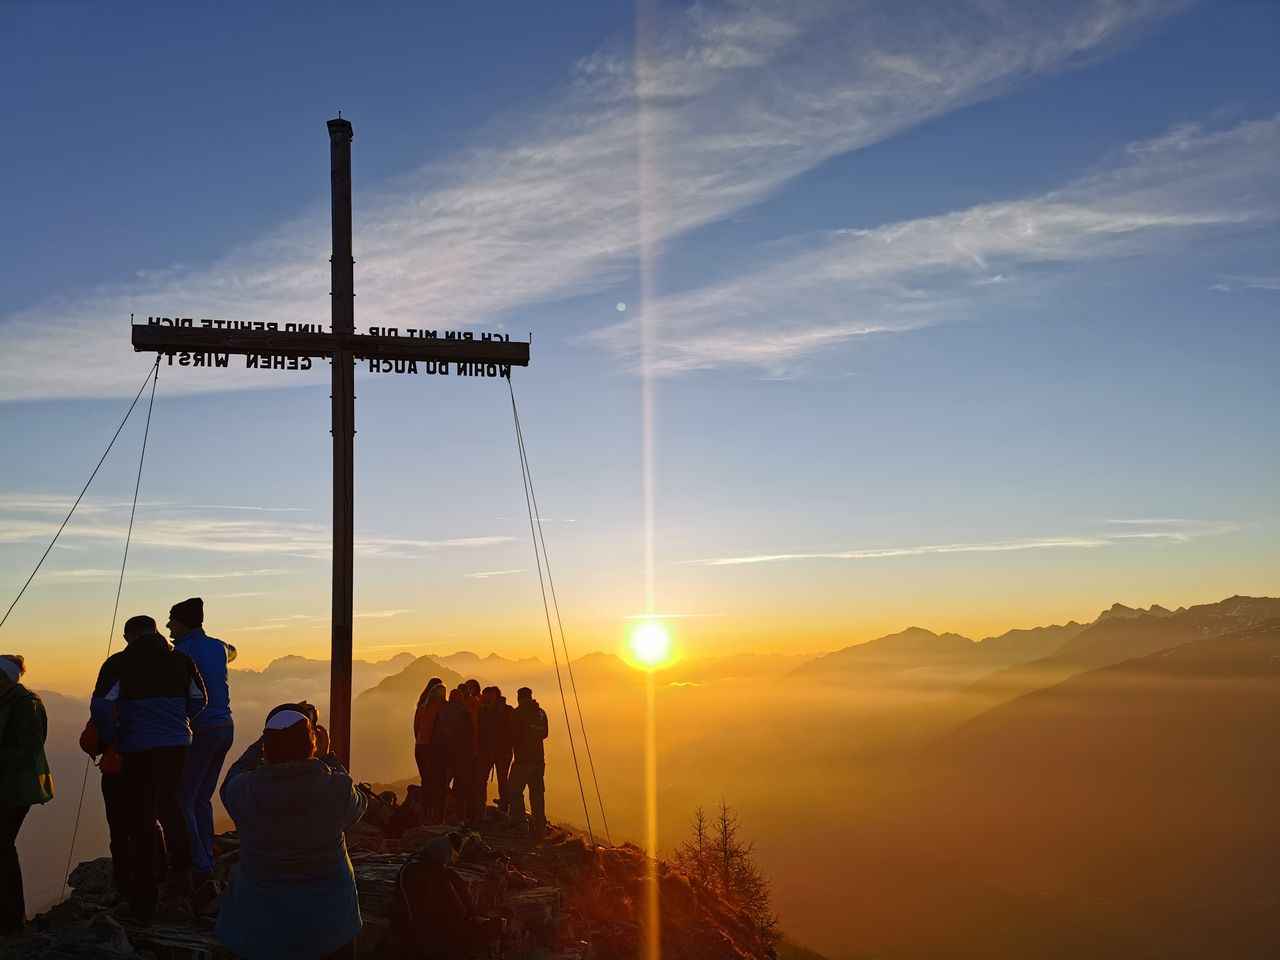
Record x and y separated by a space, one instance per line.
465 736
161 726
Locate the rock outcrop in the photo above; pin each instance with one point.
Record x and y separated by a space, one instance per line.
561 900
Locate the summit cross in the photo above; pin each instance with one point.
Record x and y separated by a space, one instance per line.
210 342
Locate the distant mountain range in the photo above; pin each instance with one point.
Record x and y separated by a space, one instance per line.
924 661
1126 811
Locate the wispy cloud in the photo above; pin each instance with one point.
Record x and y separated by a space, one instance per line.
378 614
486 574
1230 283
670 616
845 284
737 97
540 519
218 535
102 574
1179 534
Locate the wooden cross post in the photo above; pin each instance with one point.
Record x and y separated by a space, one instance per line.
191 342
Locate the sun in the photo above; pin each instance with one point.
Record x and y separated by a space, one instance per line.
650 644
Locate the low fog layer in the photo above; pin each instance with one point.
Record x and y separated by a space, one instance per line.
1103 789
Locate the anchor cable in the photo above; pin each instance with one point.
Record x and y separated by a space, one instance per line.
546 607
115 612
524 458
156 371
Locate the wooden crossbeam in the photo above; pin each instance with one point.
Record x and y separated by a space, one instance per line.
147 337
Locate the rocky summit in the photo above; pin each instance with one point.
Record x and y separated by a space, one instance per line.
560 900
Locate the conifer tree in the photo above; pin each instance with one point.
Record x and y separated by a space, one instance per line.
717 856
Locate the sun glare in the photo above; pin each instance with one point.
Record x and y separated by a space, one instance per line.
650 644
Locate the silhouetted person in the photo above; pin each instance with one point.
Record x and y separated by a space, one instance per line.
25 780
292 893
494 744
113 803
143 704
211 736
434 916
431 761
475 800
528 729
454 741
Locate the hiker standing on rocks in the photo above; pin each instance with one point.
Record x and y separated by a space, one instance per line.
292 893
474 703
211 736
143 704
494 744
25 780
113 803
454 739
430 760
528 729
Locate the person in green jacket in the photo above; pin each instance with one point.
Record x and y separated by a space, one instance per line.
24 780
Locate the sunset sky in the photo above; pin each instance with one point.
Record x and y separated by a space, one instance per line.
963 315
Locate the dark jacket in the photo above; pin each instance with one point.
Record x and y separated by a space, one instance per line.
528 730
24 771
494 728
453 727
146 696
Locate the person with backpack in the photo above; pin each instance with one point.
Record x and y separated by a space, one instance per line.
25 781
292 893
110 766
493 744
433 914
143 704
529 728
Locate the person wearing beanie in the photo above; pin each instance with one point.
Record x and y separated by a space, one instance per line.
529 728
25 780
142 705
292 893
212 734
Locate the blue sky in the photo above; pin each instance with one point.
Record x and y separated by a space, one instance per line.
960 314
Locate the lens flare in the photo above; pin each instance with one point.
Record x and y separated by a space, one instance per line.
651 644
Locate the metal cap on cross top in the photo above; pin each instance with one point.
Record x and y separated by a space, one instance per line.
208 342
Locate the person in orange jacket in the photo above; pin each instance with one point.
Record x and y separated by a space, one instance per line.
430 766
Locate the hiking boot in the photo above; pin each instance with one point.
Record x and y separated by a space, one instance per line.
206 897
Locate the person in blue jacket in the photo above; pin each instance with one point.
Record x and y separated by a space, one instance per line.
143 704
292 893
212 733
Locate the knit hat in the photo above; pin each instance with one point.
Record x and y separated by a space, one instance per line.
12 666
189 612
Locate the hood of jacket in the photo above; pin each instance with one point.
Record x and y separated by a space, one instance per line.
288 788
149 646
14 693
